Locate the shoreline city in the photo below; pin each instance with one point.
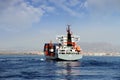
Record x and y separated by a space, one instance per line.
88 49
32 52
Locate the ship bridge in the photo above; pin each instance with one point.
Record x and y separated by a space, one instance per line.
63 39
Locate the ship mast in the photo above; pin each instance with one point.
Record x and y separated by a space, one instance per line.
69 40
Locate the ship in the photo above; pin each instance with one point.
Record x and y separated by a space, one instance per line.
65 49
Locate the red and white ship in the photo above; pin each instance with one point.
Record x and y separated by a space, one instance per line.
65 49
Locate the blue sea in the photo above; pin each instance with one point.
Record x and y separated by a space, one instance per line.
35 67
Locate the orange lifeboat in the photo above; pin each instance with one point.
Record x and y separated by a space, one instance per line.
78 48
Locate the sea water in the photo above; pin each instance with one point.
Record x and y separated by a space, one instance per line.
35 67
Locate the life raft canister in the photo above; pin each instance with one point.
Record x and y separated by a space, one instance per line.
78 48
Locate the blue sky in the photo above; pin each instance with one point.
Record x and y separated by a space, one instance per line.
28 24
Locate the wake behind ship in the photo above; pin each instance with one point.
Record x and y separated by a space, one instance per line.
65 49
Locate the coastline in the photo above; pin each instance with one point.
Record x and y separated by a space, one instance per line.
21 53
41 53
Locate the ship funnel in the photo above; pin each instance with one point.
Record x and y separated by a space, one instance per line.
69 40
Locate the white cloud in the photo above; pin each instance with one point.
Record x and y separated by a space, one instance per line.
68 5
103 6
79 7
72 2
18 14
47 8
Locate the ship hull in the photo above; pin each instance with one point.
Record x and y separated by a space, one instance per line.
65 57
70 57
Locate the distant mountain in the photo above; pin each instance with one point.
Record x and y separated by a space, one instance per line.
99 47
86 47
